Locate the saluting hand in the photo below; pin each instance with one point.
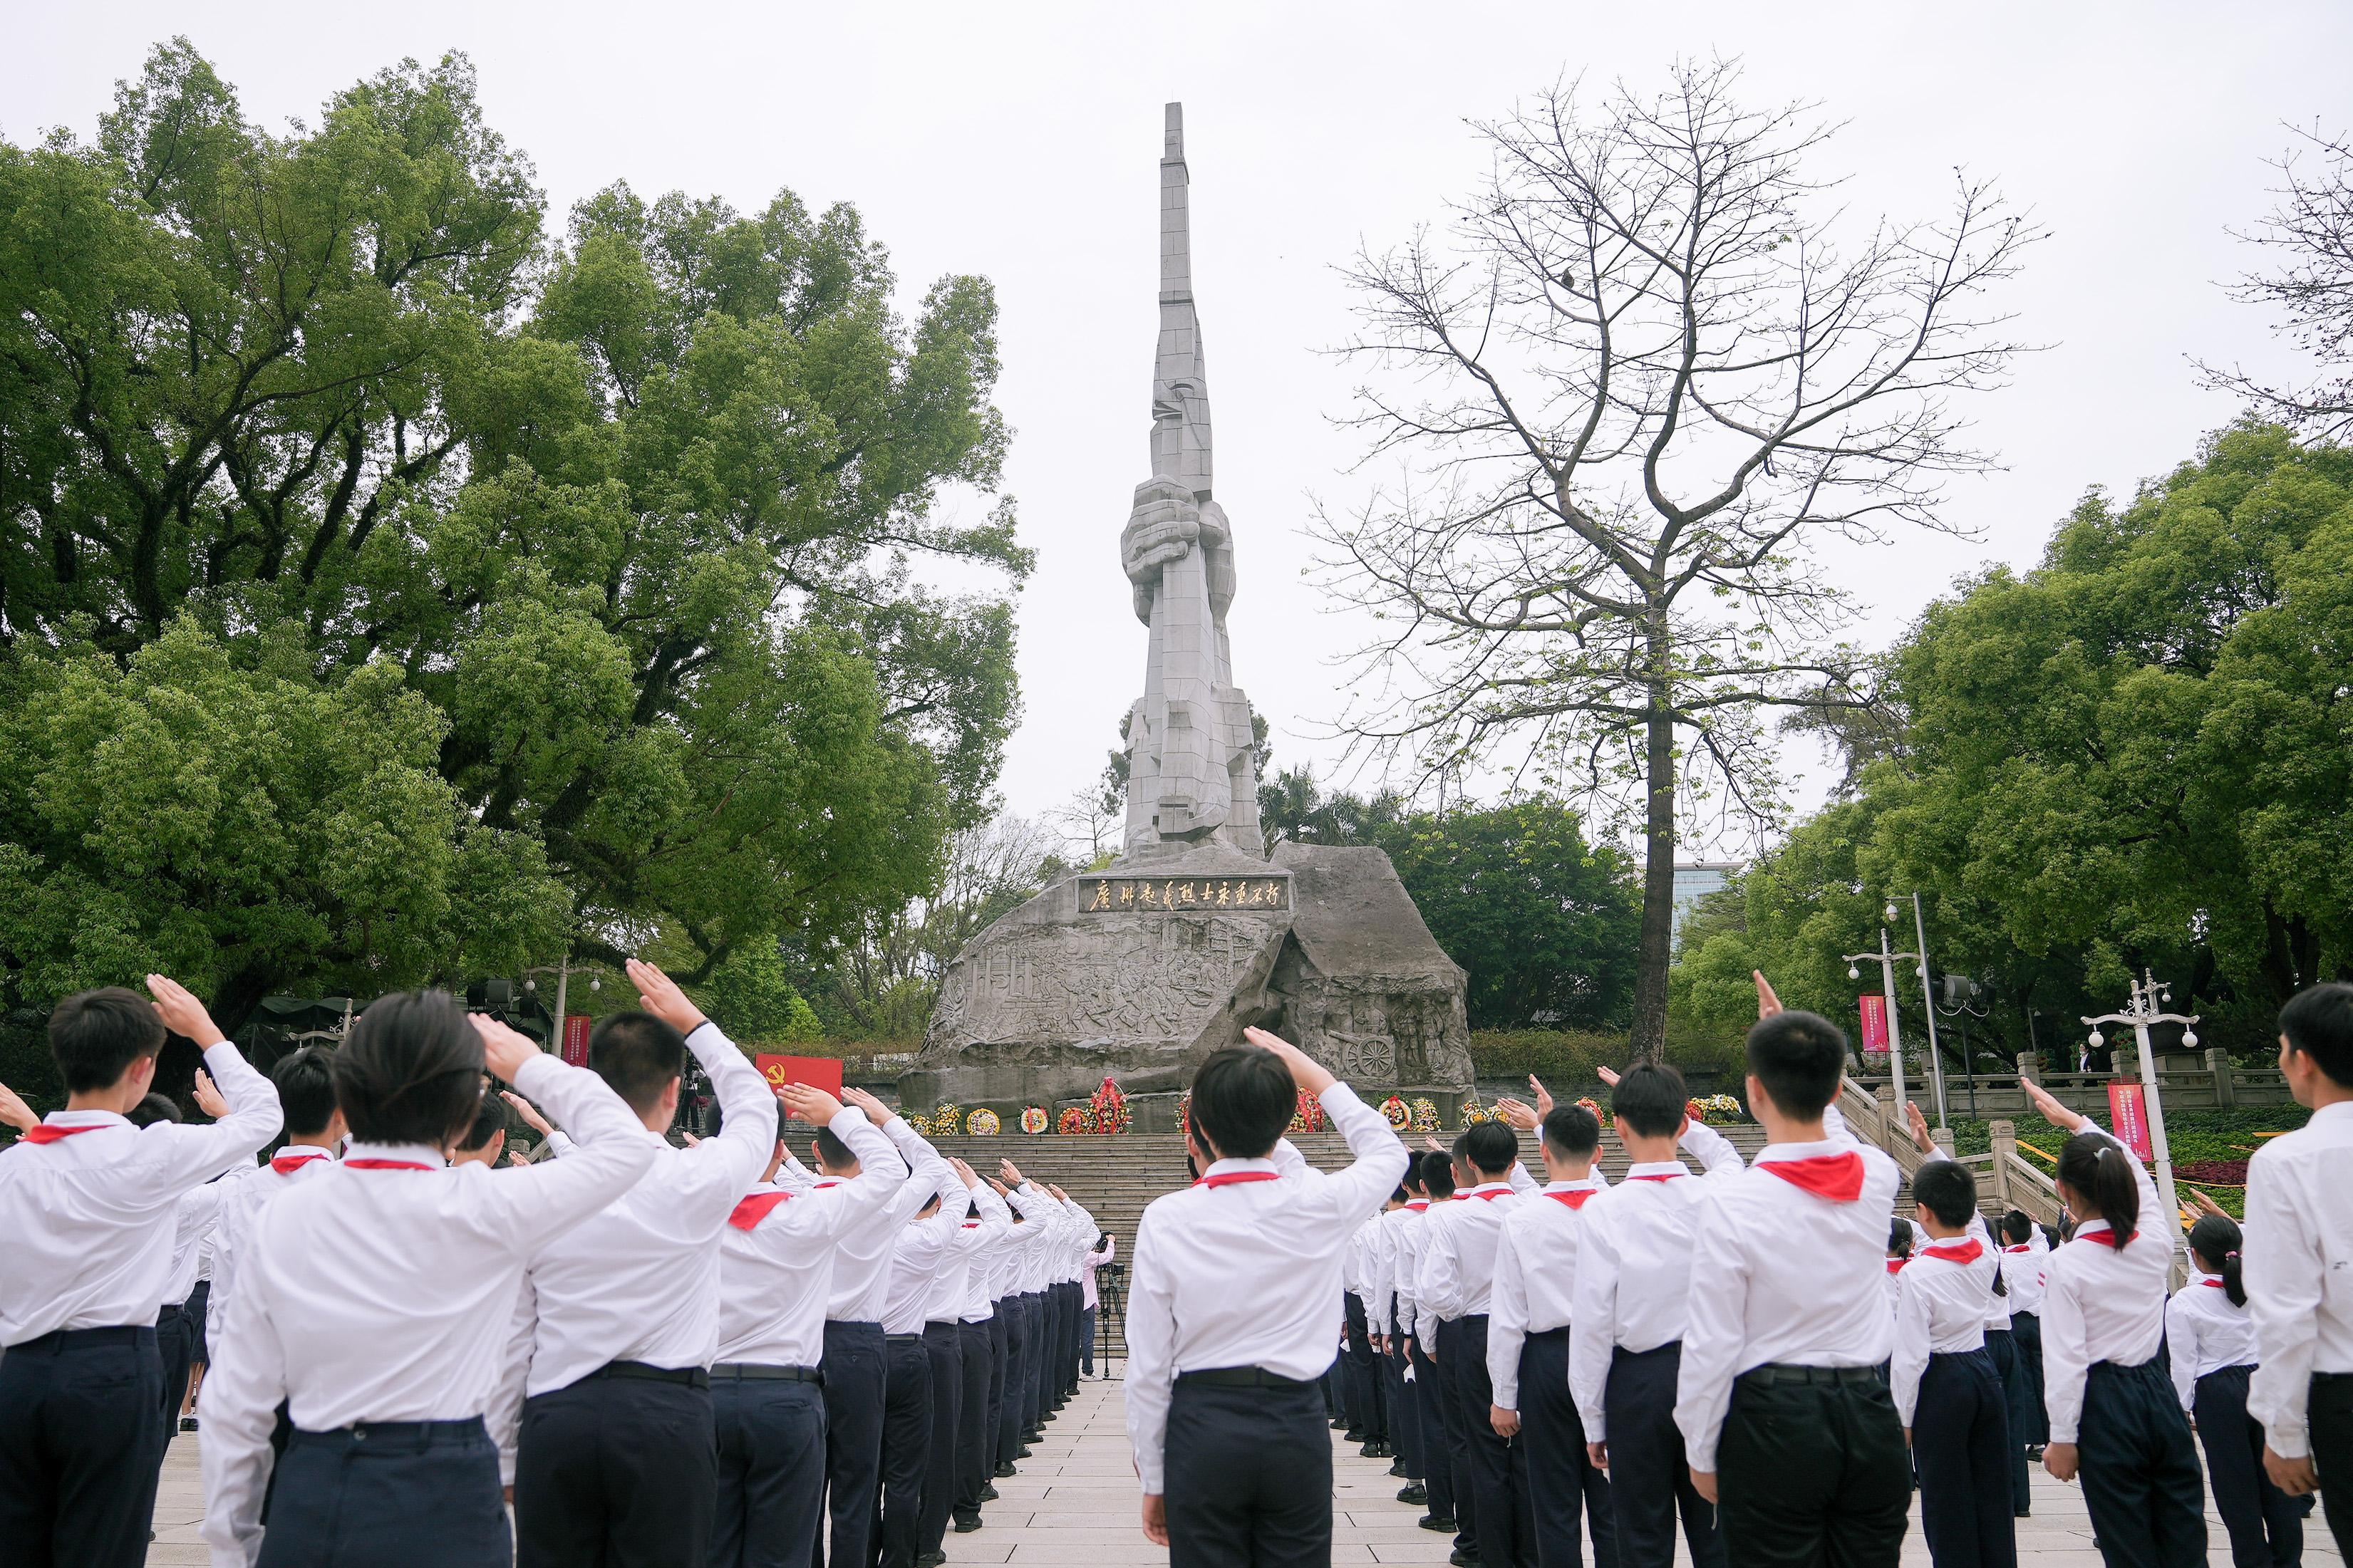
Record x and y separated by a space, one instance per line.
182 1013
876 1111
1305 1071
964 1174
658 993
1767 1003
1519 1113
2054 1112
1919 1124
808 1103
1544 1096
14 1113
1609 1076
1010 1172
208 1097
529 1113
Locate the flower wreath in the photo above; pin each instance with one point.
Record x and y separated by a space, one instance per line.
1396 1113
1110 1108
1307 1116
1425 1114
1074 1121
1033 1119
919 1124
946 1117
982 1123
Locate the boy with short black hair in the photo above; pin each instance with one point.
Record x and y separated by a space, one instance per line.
1948 1395
1787 1335
1458 1272
2299 1239
1222 1406
88 1202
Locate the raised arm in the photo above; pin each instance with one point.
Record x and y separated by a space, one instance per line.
747 1107
197 1154
529 1209
1711 1149
1380 1160
870 1196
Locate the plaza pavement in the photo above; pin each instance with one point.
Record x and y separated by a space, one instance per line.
1074 1503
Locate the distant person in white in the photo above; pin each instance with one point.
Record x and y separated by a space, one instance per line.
1235 1293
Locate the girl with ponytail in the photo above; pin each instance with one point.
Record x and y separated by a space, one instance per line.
2115 1421
2211 1342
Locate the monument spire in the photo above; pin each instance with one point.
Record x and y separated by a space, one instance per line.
1180 378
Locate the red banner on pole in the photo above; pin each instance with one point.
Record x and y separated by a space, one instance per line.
574 1049
2128 1118
817 1072
1874 1021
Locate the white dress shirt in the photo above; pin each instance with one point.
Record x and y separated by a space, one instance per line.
2022 1271
640 1280
1791 1278
1535 1277
918 1255
1940 1309
89 1219
1400 1258
248 1192
1248 1273
780 1249
1367 1261
2205 1332
193 1219
2100 1304
950 1298
1634 1265
1458 1251
2298 1271
862 1260
387 1294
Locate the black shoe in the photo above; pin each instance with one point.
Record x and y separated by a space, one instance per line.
932 1559
187 1422
1398 1468
966 1526
1441 1522
2022 1513
1382 1451
1339 1422
1002 1471
1023 1451
1356 1435
988 1491
1462 1559
1415 1493
1369 1450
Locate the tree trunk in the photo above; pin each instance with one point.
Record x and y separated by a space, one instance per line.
1654 949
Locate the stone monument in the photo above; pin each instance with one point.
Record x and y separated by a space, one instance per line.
1141 969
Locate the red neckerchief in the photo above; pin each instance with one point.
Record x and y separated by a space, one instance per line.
1576 1197
1416 1204
755 1208
1236 1178
2022 1246
2088 1233
1659 1177
388 1165
2215 1284
1838 1177
286 1164
1490 1198
45 1133
1895 1264
1965 1249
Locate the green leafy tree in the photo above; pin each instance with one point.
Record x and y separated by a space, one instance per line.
637 518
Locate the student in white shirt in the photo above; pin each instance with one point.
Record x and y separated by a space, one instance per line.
2115 1419
1947 1393
1236 1290
777 1261
2211 1341
1638 1272
618 1318
2299 1264
314 1128
89 1208
2024 1249
909 1398
194 1218
979 1217
1458 1273
1429 1473
1787 1330
1530 1323
1366 1399
980 1350
376 1297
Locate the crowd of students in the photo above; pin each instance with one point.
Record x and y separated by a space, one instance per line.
621 1353
1761 1355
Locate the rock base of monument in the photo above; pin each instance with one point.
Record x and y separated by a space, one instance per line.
1139 972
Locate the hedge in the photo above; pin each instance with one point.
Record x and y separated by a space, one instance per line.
1574 1057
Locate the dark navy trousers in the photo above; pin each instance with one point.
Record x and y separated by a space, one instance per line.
391 1495
2266 1524
1960 1444
1437 1461
1248 1473
2001 1347
771 1492
80 1447
1562 1483
944 1347
1649 1481
1405 1408
1013 1411
857 1383
975 1439
906 1447
1499 1465
2139 1468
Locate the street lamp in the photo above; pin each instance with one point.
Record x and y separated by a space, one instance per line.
562 970
2147 996
1894 1028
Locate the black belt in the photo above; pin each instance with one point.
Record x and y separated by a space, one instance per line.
392 1434
903 1339
753 1371
1780 1373
58 1340
1559 1333
691 1376
2331 1379
1243 1377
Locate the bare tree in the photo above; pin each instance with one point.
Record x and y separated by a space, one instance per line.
2312 288
1634 386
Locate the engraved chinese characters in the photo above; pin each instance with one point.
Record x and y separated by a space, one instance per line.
1169 895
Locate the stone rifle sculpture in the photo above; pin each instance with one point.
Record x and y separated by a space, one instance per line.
1142 969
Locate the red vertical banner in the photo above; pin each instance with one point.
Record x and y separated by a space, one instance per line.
575 1040
2128 1118
1874 1021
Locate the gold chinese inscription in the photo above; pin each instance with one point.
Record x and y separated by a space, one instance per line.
1164 895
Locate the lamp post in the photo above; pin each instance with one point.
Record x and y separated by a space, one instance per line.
1887 982
562 970
1929 1008
2147 996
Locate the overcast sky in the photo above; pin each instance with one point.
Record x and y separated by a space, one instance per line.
1020 141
